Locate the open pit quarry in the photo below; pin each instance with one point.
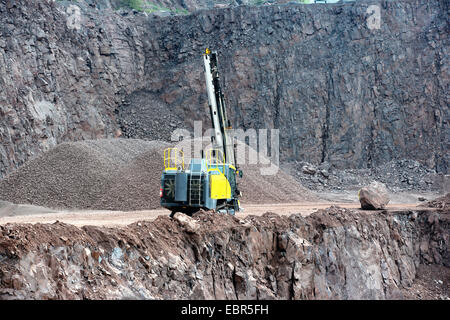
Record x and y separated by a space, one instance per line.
91 92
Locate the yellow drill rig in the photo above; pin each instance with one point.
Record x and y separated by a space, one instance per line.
209 182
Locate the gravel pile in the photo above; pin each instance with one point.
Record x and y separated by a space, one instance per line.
70 175
256 187
135 186
279 187
143 115
80 174
120 174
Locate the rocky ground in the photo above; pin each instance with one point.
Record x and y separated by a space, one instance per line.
398 175
442 202
87 174
432 282
143 115
332 254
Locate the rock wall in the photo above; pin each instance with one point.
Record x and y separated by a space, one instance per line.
176 6
339 88
62 73
332 254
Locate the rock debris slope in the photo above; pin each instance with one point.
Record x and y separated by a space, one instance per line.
95 174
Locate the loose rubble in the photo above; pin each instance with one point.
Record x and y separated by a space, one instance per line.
440 203
432 282
398 175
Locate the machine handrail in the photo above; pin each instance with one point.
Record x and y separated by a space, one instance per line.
173 159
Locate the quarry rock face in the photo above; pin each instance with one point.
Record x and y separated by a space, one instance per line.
170 6
374 196
333 254
354 85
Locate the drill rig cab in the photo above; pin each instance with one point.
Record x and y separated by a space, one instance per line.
209 182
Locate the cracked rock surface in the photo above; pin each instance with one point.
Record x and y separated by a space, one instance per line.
333 254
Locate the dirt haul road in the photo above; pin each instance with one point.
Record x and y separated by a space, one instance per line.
122 218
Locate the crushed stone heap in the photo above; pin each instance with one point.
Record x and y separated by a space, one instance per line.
119 174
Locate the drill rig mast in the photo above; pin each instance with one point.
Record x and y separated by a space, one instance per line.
221 124
208 183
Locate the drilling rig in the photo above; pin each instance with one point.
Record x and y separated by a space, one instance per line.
208 182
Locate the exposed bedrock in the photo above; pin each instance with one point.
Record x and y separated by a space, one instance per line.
339 88
332 254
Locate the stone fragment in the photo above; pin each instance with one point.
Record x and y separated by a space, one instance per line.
308 169
189 223
374 196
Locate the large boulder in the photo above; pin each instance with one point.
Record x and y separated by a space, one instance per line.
374 196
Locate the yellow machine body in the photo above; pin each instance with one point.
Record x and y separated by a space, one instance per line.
220 187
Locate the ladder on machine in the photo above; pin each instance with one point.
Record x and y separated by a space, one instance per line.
195 189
